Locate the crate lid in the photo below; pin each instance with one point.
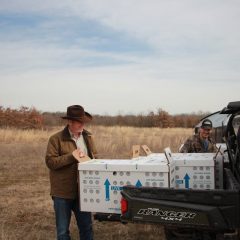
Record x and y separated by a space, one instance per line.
95 164
152 165
121 165
191 162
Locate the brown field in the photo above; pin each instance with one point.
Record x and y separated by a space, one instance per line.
26 210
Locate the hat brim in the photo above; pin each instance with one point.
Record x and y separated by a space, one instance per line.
87 118
206 127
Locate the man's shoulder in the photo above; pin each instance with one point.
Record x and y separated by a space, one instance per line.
210 139
196 138
56 134
59 134
86 132
193 138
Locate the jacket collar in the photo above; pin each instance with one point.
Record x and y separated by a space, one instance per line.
67 136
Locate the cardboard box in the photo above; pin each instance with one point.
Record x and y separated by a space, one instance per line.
193 170
102 180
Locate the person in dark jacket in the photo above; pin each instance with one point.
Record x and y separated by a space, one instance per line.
201 142
65 150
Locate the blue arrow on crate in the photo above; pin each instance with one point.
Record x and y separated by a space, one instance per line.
186 178
138 184
107 188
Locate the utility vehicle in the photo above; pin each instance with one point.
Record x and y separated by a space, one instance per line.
195 214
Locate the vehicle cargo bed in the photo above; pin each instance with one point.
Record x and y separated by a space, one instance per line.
205 209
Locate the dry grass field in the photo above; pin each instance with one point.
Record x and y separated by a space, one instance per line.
26 210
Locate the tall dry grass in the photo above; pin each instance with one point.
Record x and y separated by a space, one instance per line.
26 210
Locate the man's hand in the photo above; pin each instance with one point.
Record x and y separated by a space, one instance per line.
80 156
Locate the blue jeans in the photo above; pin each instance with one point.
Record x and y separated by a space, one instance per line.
63 210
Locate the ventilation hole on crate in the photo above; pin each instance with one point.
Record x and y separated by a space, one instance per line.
154 184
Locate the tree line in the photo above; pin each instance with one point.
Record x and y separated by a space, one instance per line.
160 118
29 118
23 117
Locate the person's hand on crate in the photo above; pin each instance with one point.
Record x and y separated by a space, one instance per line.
80 155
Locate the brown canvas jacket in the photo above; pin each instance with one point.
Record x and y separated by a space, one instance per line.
195 144
62 165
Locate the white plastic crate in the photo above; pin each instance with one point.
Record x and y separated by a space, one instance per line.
218 165
102 180
192 170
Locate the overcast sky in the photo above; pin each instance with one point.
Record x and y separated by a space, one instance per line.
111 56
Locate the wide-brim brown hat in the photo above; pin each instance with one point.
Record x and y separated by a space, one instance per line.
77 113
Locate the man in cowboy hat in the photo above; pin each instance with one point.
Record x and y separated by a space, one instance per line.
201 142
64 151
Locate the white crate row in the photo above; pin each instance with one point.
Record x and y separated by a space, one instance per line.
102 180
